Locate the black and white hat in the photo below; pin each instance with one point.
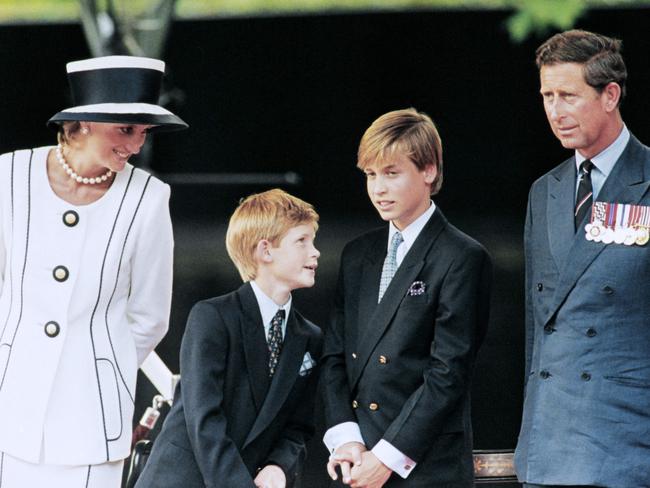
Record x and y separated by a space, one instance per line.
117 89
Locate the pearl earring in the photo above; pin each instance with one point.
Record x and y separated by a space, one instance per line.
84 130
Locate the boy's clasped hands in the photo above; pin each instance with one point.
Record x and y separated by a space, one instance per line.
359 467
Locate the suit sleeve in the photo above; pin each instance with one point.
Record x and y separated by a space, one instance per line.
529 320
290 450
334 381
460 325
204 353
150 297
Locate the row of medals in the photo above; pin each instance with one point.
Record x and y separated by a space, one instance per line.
597 232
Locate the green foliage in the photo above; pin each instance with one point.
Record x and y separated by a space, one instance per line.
539 16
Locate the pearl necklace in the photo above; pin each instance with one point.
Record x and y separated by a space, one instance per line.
71 173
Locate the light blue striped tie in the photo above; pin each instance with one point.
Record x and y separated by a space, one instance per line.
390 264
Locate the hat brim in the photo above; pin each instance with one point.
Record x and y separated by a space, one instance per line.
162 122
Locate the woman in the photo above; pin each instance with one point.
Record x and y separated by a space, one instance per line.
85 277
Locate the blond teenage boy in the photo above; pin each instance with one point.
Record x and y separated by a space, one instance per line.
243 410
411 311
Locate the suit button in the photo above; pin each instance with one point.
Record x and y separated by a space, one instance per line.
540 286
544 374
585 376
71 218
354 355
373 406
60 273
591 332
383 360
548 328
52 329
355 404
608 290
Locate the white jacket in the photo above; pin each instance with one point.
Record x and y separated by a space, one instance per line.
81 306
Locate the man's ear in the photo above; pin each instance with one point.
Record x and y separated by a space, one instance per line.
430 173
263 251
611 96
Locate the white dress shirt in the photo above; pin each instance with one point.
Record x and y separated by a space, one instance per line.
603 162
268 309
346 432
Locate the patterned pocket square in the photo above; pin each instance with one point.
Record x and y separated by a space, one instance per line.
307 364
417 288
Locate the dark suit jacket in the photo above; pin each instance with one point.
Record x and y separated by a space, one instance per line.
411 355
227 421
586 418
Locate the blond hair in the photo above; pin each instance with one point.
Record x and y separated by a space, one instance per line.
411 132
268 215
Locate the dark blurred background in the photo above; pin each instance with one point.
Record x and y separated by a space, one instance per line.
294 93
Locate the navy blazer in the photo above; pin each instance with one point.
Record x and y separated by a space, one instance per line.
402 368
228 420
586 418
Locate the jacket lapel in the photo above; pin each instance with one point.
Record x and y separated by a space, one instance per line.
255 346
627 183
377 322
369 283
293 350
561 227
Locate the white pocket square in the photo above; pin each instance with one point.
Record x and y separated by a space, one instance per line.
307 364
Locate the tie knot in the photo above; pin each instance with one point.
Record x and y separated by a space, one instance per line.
396 241
279 315
586 166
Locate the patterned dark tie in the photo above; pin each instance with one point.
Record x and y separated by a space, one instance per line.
274 340
390 264
584 198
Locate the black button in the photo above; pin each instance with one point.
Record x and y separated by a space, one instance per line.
60 273
71 218
591 332
548 328
585 376
540 286
608 290
544 374
52 329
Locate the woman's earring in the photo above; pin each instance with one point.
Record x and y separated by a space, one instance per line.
84 130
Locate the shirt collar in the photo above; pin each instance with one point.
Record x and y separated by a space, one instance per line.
268 308
412 231
606 159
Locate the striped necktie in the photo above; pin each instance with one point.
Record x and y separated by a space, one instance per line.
584 198
390 264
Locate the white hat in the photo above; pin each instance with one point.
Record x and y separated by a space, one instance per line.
118 89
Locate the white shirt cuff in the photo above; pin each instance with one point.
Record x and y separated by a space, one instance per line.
393 458
342 434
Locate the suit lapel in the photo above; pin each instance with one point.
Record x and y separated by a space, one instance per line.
293 350
370 278
561 203
627 183
255 346
380 319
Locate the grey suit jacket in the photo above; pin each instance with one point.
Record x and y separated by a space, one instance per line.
586 417
228 420
402 368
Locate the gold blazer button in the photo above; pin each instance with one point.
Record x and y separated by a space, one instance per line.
383 359
373 406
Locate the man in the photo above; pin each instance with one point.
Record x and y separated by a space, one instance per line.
586 419
411 312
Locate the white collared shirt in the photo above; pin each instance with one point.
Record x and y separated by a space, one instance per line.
603 162
346 432
410 233
268 309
